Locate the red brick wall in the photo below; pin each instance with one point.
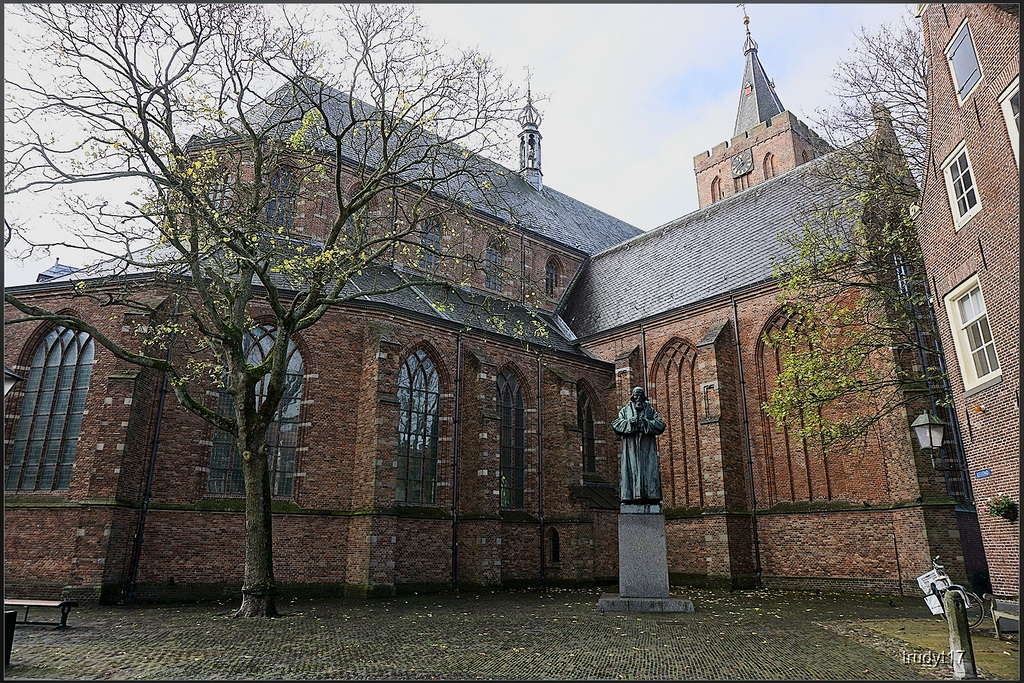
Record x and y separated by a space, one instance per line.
884 471
344 534
988 246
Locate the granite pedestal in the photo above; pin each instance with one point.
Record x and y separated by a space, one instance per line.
643 565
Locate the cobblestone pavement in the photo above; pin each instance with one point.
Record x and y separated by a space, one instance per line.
524 635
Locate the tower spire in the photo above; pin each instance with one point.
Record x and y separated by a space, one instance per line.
529 140
758 101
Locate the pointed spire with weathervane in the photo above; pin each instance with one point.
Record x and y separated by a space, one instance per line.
758 101
529 142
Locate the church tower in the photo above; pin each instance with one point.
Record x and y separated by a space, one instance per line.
529 143
767 139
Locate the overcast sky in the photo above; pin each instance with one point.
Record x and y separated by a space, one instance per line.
634 91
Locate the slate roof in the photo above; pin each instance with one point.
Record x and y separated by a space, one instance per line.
54 271
725 246
761 103
510 198
460 308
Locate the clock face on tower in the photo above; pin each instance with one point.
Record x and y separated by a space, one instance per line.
743 163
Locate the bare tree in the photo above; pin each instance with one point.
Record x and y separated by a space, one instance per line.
887 66
220 118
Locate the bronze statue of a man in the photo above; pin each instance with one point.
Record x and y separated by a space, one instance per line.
638 424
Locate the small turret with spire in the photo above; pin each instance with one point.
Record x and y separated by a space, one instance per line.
529 143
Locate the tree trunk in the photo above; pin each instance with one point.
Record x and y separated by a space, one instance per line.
259 589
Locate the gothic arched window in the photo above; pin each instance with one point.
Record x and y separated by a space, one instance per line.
513 441
556 547
282 435
419 396
281 204
585 420
492 267
716 189
675 394
551 273
46 437
220 192
430 241
769 165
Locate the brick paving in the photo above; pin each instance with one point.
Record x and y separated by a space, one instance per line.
517 635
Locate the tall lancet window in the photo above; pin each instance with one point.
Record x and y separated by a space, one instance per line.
513 442
419 393
282 435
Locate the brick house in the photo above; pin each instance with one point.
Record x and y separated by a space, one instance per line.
969 230
513 480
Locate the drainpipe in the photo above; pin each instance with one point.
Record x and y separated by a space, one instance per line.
746 435
643 359
455 463
133 567
540 480
522 268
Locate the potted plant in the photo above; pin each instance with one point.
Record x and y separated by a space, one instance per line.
1001 505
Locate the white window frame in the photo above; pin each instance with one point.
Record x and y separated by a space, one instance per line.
1012 125
958 220
961 343
949 60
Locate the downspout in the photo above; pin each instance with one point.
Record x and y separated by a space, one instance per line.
133 567
455 462
746 435
522 268
540 479
643 358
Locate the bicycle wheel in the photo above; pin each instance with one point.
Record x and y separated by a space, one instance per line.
975 609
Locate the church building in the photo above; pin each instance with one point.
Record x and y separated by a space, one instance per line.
424 448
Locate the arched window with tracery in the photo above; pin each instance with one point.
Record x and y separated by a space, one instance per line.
492 267
551 275
419 394
284 189
220 192
795 466
282 435
585 420
513 441
675 398
769 165
716 189
430 244
46 435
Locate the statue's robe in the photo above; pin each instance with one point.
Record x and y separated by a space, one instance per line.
640 480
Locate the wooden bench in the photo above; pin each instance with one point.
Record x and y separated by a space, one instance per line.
1002 608
63 605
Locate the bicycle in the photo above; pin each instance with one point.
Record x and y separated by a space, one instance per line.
935 583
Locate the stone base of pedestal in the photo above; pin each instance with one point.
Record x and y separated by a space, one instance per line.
643 562
613 602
